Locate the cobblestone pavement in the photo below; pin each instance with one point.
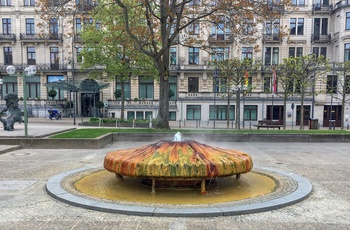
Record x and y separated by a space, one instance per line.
24 203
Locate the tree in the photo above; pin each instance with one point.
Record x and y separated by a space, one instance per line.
343 90
235 73
107 45
286 78
306 70
52 93
152 26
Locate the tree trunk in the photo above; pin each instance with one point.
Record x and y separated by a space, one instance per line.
238 109
302 112
162 120
122 95
285 112
228 110
343 110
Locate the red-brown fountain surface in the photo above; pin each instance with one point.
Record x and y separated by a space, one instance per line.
178 159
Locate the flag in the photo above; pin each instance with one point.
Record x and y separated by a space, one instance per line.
274 80
246 78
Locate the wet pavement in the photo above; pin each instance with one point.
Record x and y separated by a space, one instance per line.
25 204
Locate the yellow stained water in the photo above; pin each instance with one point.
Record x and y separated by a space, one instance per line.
105 185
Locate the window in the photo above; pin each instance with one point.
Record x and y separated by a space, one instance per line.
298 2
193 112
320 51
248 28
271 55
79 55
8 56
127 90
347 26
221 30
295 51
247 52
193 29
250 113
77 25
54 59
130 115
9 85
6 26
146 86
33 87
148 114
173 57
30 26
296 26
88 21
219 84
347 84
267 84
273 28
347 52
332 84
220 53
195 2
193 84
98 24
320 28
53 27
172 87
139 115
219 112
29 2
172 116
6 3
193 56
31 56
60 93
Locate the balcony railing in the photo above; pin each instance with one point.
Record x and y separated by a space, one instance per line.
272 38
39 66
41 37
7 37
321 38
221 38
341 4
321 8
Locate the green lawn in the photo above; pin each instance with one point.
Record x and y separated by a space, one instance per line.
96 132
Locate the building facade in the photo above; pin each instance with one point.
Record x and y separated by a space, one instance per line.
318 27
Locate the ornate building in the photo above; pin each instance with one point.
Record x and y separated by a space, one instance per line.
318 27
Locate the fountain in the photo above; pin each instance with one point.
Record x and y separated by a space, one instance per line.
178 169
178 163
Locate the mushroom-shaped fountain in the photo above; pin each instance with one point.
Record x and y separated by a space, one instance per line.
178 162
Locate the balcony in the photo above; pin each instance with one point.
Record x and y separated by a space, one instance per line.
320 8
220 38
321 38
341 4
7 37
47 67
41 37
272 38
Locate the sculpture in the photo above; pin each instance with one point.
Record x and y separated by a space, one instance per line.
11 114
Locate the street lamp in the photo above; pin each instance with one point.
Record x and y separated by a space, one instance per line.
29 71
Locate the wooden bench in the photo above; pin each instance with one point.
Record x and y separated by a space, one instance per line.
269 124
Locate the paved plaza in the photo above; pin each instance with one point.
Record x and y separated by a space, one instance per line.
25 204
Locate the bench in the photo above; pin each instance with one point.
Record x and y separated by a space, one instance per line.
269 124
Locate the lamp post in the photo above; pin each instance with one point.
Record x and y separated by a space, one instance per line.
29 71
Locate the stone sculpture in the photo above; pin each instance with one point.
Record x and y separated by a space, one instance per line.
12 113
